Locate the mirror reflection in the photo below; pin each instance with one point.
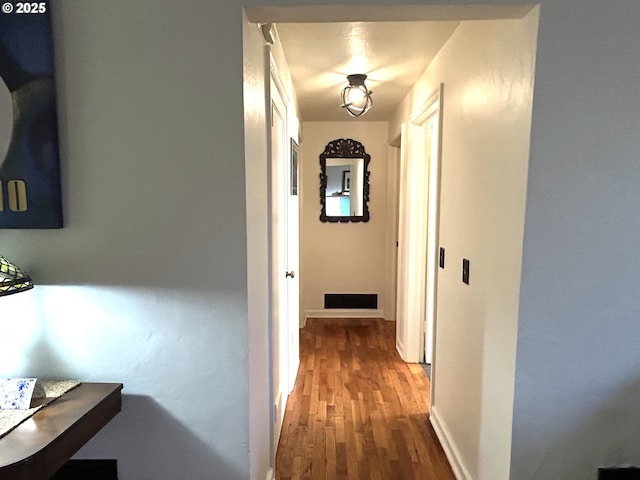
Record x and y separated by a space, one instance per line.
343 198
344 182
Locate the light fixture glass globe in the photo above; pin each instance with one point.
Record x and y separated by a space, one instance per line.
356 97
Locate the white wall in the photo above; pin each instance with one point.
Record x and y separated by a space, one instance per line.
152 150
391 233
258 252
147 282
578 365
487 70
343 257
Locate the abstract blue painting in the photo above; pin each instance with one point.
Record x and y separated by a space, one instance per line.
29 159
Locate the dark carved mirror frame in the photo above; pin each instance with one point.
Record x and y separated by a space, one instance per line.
344 148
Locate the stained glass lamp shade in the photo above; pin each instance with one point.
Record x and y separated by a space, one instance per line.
12 278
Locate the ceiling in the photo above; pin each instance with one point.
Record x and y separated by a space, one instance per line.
393 55
392 44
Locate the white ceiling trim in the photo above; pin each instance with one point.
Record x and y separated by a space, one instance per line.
381 13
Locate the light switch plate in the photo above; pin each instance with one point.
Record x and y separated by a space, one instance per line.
465 271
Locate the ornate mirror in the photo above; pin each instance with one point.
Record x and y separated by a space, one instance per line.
344 182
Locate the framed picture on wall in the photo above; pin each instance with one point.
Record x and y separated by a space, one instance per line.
30 195
346 181
294 167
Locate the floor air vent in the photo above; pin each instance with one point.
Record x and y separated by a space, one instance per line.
351 300
619 474
88 469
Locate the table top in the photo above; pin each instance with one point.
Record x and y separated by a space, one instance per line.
38 447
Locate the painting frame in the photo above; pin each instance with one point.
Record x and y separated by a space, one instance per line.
346 181
30 179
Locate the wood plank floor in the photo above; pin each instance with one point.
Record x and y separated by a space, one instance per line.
357 410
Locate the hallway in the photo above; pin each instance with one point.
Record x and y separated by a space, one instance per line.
357 410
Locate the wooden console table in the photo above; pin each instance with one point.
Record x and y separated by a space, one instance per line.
38 447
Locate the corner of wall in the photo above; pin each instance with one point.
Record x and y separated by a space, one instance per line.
448 445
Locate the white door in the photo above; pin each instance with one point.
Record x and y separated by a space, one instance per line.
418 233
293 261
285 254
279 330
432 151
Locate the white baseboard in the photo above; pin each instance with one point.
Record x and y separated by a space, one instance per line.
344 313
270 475
452 453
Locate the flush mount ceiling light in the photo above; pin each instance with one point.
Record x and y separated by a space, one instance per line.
12 278
356 97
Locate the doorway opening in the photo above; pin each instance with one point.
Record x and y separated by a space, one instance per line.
418 232
416 127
